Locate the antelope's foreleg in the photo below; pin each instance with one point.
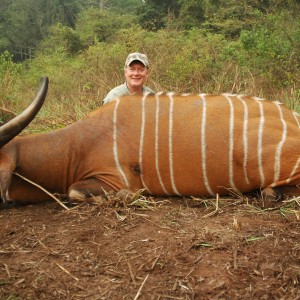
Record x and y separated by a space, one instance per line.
86 190
6 169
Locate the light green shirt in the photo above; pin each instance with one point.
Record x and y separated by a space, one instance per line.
121 90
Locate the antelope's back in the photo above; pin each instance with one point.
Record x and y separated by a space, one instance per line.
205 144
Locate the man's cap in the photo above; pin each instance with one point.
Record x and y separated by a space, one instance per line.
137 56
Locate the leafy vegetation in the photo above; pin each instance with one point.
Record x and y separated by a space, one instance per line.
193 45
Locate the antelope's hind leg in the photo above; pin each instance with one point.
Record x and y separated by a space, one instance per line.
86 190
289 191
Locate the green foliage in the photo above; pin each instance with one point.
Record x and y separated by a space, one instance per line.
124 6
151 18
192 13
274 46
95 25
154 14
9 75
23 24
7 65
117 6
224 17
61 39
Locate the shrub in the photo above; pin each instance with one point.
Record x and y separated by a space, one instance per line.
9 75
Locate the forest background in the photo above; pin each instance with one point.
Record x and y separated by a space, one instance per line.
211 46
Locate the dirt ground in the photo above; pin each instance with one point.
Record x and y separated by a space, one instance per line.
151 249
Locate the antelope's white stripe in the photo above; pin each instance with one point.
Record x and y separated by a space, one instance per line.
231 141
115 144
171 144
280 145
259 144
203 146
296 116
156 144
294 170
245 138
291 175
259 99
142 137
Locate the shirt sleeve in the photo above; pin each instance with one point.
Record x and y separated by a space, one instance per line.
114 93
149 90
110 96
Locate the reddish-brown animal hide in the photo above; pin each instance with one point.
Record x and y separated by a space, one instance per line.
166 144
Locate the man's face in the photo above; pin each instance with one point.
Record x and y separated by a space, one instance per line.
136 75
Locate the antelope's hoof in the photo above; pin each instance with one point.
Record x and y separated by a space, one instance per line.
270 196
124 194
8 204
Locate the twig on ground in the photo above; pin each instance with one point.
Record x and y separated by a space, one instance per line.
235 264
155 261
141 287
7 270
130 272
66 271
41 188
216 209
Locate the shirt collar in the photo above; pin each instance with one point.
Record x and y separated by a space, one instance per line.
143 89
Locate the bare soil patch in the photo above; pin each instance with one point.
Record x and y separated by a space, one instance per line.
168 249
